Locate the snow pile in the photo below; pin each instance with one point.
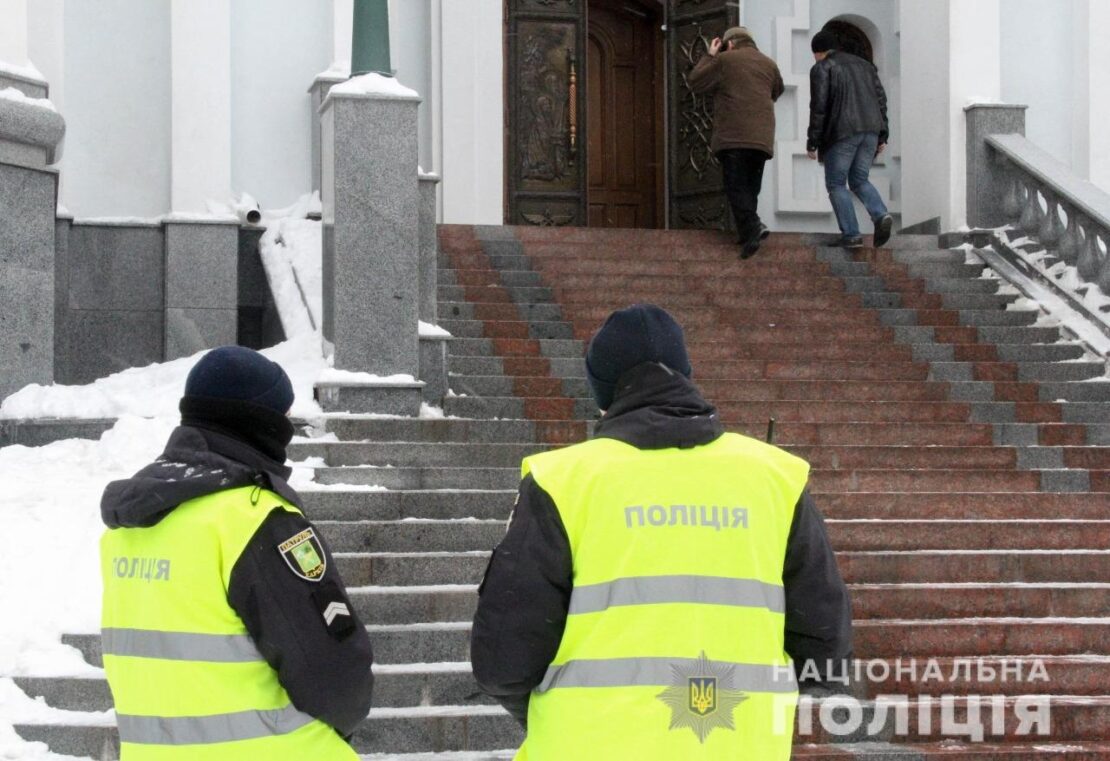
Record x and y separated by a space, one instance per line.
292 251
427 330
155 390
27 71
10 93
330 376
373 84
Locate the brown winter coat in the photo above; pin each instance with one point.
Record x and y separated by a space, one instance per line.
745 85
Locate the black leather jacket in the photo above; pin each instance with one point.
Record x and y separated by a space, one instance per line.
846 97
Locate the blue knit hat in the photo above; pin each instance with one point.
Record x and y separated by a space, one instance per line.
630 337
240 374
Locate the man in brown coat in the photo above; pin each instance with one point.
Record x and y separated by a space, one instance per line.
745 85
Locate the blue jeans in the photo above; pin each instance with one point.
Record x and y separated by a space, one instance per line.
847 165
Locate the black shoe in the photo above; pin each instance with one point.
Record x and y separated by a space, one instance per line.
849 242
883 226
749 248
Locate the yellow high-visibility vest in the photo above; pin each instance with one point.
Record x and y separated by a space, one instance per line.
673 646
187 680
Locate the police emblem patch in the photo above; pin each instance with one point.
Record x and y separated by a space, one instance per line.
304 555
703 697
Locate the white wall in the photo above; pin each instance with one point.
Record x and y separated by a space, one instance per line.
117 108
277 49
410 46
1038 70
473 122
13 32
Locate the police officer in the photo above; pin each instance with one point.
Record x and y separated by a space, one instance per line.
655 581
227 632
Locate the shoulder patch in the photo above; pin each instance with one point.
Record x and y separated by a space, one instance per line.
304 555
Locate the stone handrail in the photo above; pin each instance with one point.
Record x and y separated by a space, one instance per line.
1031 175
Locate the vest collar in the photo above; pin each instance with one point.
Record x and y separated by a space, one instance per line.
658 408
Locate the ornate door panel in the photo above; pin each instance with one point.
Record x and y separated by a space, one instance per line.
696 198
623 112
546 166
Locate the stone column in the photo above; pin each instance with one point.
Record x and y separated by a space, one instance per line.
202 285
371 282
429 248
986 176
30 130
317 93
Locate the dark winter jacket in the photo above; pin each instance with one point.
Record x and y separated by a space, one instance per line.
745 85
525 594
326 676
845 98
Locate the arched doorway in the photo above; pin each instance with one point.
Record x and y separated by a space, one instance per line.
624 112
852 39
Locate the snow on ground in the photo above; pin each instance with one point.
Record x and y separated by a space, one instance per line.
154 390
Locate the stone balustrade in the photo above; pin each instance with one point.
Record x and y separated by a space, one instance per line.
1069 216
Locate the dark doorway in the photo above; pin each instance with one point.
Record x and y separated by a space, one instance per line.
852 39
624 113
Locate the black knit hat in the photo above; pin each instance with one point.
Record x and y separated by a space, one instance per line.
241 374
630 337
824 41
238 392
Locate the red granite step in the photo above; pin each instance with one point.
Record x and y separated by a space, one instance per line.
962 637
801 370
1019 599
886 535
908 457
836 412
920 504
903 479
948 566
701 350
731 286
721 389
1053 674
894 434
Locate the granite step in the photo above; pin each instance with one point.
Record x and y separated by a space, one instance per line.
442 430
413 454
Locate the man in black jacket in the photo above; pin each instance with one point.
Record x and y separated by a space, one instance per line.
848 128
218 535
639 372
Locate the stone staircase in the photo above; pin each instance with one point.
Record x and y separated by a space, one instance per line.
960 449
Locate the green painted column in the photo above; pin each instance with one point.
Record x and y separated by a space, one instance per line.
370 39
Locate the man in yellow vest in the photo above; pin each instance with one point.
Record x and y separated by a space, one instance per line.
656 581
227 632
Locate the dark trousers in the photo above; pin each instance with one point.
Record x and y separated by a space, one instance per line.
742 169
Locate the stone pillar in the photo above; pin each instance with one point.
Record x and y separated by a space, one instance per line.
317 93
371 262
1091 107
429 249
986 176
202 285
30 130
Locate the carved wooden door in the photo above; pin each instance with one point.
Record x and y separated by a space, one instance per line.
624 113
546 167
695 192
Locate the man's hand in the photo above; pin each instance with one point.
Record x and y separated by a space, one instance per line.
715 46
880 149
812 154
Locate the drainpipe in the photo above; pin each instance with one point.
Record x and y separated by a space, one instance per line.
370 38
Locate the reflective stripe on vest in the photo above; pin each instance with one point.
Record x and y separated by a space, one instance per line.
647 590
673 643
659 672
203 730
187 680
180 646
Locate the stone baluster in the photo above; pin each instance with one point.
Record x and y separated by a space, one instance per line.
1089 262
1012 201
1030 220
1050 230
1069 242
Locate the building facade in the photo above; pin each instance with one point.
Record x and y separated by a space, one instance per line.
542 111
